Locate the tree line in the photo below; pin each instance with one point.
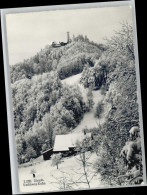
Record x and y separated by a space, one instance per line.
117 140
50 59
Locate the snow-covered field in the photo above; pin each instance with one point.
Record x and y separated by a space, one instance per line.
67 177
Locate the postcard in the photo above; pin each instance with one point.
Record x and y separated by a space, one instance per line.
73 97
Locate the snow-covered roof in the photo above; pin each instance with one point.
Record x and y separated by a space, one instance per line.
47 150
64 142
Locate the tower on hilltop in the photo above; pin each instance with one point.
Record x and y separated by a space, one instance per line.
68 38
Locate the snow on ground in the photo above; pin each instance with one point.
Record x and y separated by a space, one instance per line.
75 79
70 170
89 119
53 179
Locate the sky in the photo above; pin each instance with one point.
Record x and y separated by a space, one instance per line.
28 33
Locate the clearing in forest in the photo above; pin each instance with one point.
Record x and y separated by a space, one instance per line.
89 120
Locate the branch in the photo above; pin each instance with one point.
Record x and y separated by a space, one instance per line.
122 176
92 177
135 178
76 172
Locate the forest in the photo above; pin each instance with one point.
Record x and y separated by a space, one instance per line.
43 107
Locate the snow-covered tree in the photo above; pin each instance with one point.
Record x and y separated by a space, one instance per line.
56 159
132 155
90 101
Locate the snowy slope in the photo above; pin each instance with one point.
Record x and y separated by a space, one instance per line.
70 170
89 119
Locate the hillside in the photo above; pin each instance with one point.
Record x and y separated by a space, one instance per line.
89 120
68 60
81 87
66 174
39 92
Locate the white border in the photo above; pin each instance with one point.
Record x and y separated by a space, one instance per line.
10 119
12 144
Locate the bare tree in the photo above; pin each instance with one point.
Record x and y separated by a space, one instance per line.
123 41
63 182
83 158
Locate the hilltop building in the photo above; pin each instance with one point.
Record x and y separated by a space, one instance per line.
60 44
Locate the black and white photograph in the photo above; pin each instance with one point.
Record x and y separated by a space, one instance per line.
73 97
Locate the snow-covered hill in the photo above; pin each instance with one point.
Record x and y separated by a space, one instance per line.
49 178
89 119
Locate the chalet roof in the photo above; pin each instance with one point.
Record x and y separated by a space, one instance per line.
64 142
47 150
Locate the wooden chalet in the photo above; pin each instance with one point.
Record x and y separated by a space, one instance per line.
66 144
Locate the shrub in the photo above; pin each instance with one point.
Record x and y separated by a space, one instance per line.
56 159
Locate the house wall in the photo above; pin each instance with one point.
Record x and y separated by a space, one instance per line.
47 155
